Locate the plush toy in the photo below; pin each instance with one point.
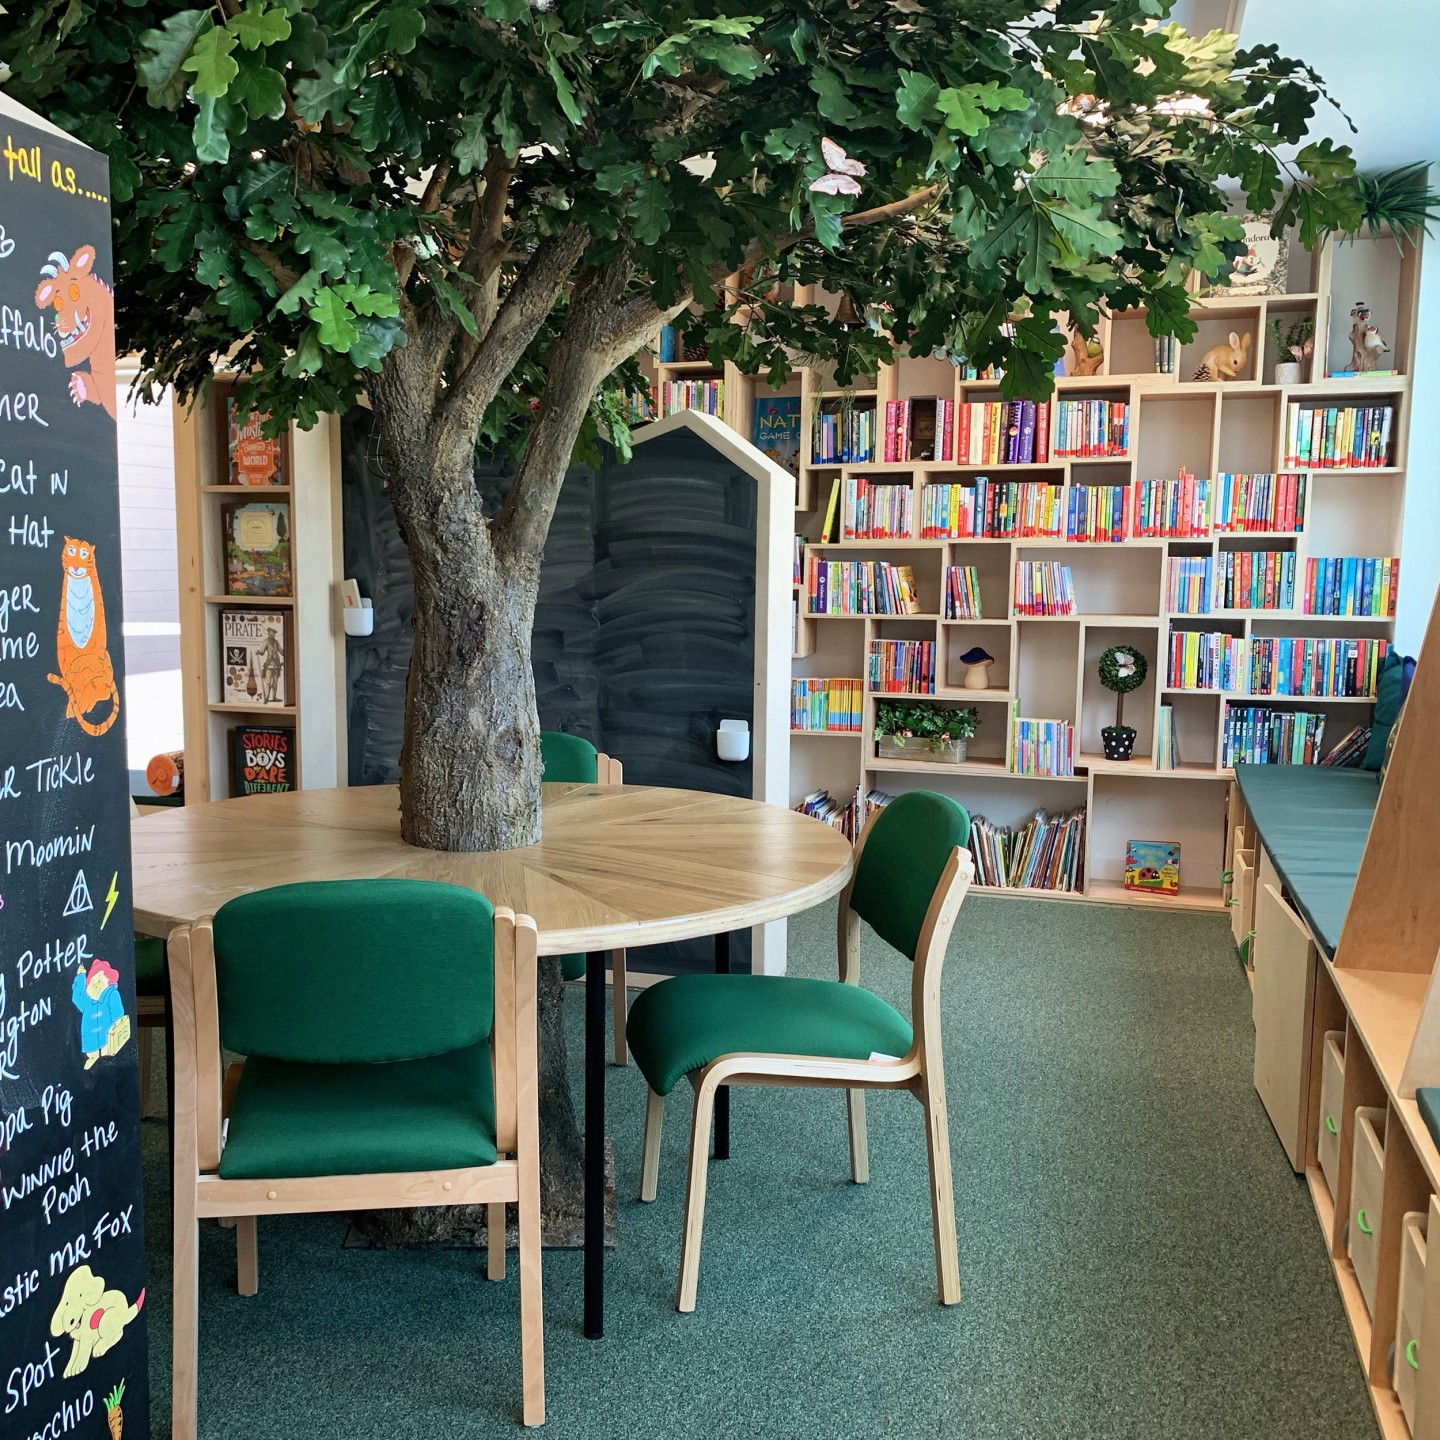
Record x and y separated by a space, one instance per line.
1225 362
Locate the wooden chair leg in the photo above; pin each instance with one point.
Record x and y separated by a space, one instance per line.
247 1255
145 1044
495 1240
532 1317
618 998
185 1318
650 1164
859 1137
942 1196
695 1199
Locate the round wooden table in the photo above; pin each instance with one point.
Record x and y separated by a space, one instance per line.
616 866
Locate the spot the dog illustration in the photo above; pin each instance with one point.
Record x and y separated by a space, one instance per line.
84 308
82 654
93 1317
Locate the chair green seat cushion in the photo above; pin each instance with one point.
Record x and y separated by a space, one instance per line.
150 965
685 1022
293 1119
572 967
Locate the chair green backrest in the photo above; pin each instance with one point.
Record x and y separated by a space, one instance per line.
355 971
568 759
905 852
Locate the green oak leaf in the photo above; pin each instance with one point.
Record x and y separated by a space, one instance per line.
215 118
165 52
210 62
259 89
257 26
834 102
915 103
650 210
472 148
334 319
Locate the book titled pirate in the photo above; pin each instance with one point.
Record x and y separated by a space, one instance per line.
255 658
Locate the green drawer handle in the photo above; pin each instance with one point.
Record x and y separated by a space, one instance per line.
1364 1224
1410 1356
1331 1126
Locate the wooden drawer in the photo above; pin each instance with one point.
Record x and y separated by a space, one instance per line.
1332 1092
1407 1320
1242 894
1367 1185
1283 1006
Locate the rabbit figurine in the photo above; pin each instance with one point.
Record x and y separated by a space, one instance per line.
1225 362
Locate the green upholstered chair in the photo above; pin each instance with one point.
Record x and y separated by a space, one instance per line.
912 870
572 760
389 1034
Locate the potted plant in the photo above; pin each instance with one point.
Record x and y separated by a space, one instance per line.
907 730
1297 340
1122 669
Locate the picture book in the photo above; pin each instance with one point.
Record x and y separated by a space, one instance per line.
777 429
262 759
254 459
1153 867
255 658
257 549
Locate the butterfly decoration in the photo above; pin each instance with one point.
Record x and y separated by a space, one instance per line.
841 177
1124 664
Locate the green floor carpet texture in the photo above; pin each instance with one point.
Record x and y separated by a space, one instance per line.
1136 1258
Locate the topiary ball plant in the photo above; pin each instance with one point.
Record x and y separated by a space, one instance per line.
1122 669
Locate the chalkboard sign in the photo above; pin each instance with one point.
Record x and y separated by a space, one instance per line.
72 1283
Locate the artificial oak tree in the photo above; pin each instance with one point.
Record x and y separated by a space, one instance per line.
475 212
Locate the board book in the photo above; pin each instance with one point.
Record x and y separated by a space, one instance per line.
1152 867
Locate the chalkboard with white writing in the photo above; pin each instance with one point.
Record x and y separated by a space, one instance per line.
72 1282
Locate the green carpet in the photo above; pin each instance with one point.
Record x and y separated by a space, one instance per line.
1136 1258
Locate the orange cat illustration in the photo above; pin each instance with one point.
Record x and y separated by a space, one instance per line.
84 321
86 675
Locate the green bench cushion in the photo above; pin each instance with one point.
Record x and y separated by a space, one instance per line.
1313 820
150 965
572 967
292 1119
685 1022
1428 1099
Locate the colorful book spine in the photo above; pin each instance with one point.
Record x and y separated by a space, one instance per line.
1189 584
1255 580
947 512
1176 509
1259 735
1167 750
901 667
876 509
1352 585
1043 587
1042 747
707 396
831 705
844 436
1097 513
1092 429
1339 669
1045 853
1205 660
1338 437
1002 432
962 592
1259 504
859 587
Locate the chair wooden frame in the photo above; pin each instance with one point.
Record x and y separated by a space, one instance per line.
202 1098
921 1071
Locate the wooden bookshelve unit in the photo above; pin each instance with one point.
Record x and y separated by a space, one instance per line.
1047 664
316 658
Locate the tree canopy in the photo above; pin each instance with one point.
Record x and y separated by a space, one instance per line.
309 185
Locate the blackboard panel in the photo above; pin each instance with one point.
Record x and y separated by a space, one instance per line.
72 1283
644 634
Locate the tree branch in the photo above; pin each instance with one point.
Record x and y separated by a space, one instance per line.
429 203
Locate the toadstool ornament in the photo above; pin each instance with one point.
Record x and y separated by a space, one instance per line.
977 663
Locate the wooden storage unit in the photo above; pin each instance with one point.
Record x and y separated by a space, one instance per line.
316 651
1367 1191
1408 1315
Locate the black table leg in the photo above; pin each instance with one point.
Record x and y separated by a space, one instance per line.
722 1095
595 1145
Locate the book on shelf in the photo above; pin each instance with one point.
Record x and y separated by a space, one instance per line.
1092 429
1045 853
1352 585
1002 432
1097 513
1176 509
1040 747
1189 583
1346 436
706 396
848 815
262 759
877 509
776 425
1255 580
860 587
256 540
948 511
901 667
1313 668
255 657
1043 587
797 576
669 346
828 704
1260 735
252 458
643 406
844 436
1259 503
1205 660
1167 355
1167 747
830 530
1017 509
962 592
1348 753
1358 374
920 428
1152 867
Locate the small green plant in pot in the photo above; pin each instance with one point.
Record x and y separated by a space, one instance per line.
1294 344
916 730
1122 669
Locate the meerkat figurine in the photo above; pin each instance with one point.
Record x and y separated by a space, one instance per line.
1366 343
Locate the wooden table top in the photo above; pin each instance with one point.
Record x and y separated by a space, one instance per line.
616 866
